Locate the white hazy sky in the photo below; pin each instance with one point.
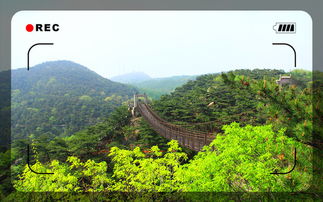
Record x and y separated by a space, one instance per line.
164 43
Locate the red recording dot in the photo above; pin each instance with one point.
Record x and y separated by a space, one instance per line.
29 27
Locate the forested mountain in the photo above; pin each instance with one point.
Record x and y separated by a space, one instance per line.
133 77
209 99
156 87
5 93
60 98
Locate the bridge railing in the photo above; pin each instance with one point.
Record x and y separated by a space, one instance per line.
194 140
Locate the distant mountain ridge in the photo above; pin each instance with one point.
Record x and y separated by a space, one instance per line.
158 82
159 86
62 97
133 77
153 87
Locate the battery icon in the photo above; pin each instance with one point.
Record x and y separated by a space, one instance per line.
285 27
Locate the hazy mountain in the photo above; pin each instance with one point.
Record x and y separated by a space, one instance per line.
133 77
159 86
61 97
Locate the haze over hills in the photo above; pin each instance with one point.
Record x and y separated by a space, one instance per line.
159 86
133 77
153 87
62 97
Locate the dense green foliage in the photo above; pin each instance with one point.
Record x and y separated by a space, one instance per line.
288 106
5 181
244 159
60 98
128 175
91 143
75 176
257 123
239 163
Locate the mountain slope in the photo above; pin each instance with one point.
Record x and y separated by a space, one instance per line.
60 98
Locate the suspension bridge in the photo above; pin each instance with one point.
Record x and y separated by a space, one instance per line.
192 139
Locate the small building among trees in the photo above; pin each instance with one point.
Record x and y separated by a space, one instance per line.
284 80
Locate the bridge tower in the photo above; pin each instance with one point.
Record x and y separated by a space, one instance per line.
135 102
